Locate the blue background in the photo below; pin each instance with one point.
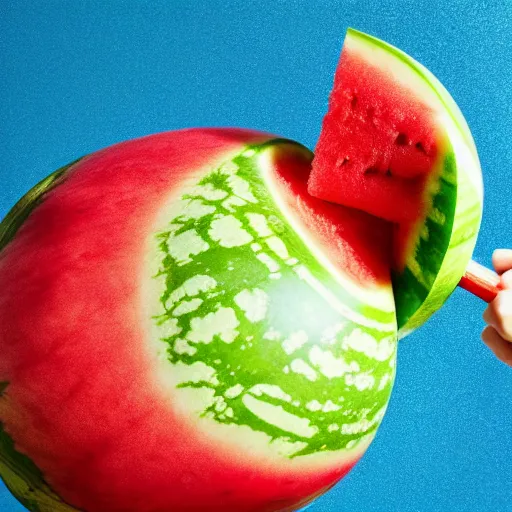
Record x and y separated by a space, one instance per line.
78 76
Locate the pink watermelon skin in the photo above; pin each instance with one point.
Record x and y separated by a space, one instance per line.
80 401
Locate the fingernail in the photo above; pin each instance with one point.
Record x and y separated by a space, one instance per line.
502 254
502 260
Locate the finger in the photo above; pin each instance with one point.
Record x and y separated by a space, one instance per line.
499 314
490 317
506 279
502 260
501 348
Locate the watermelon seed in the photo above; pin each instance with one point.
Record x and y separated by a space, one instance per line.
371 170
353 103
401 140
419 147
388 172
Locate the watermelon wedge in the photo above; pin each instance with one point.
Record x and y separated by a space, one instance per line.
395 144
183 327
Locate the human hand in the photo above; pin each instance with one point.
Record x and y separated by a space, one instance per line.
498 315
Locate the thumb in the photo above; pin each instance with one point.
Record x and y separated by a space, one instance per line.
502 260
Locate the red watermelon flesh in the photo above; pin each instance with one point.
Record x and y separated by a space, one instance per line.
377 151
378 144
357 242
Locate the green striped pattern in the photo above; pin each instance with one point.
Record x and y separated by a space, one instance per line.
412 287
256 330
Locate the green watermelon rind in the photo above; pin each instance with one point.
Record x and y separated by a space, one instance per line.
433 278
24 207
468 214
266 355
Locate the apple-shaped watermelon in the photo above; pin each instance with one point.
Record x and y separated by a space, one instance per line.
184 327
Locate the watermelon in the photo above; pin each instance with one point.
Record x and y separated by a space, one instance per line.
183 327
394 144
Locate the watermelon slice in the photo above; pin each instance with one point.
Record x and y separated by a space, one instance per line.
394 144
183 327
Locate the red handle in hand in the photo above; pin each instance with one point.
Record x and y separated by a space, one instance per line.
481 281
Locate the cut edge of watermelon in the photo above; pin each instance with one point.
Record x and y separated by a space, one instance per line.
374 296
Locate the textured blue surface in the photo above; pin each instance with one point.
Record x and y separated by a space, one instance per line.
78 76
